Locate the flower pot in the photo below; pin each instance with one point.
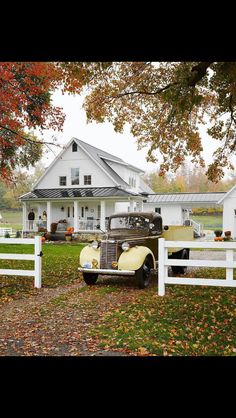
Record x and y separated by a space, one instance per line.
68 237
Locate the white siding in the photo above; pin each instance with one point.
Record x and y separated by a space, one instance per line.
229 218
80 160
125 173
171 214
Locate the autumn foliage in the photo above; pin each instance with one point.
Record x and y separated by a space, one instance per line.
25 104
165 103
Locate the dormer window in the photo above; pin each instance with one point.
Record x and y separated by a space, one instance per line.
74 147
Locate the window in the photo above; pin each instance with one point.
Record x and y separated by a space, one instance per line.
62 181
75 176
87 180
132 181
74 147
158 210
68 211
82 211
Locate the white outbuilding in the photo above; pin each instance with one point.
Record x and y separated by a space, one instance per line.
228 201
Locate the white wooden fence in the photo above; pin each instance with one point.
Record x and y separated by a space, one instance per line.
3 231
36 257
164 263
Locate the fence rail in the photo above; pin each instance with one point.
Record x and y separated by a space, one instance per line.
163 263
3 231
36 257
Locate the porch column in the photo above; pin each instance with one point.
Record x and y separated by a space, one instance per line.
131 206
141 206
49 216
76 216
103 215
24 216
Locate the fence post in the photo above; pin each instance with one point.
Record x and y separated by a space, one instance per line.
161 267
229 257
38 261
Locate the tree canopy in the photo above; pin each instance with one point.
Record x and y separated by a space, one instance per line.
25 102
165 103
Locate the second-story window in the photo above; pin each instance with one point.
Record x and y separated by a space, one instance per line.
62 181
87 180
74 176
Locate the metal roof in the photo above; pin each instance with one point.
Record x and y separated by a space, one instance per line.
76 192
213 197
101 157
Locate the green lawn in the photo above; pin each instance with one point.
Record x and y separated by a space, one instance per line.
209 222
59 266
11 219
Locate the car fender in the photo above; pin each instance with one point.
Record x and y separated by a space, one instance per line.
134 258
88 254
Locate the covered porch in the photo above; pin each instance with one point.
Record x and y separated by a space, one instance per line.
88 214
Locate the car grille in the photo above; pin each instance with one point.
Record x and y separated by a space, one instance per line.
108 254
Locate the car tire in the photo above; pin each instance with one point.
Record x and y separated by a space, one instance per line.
183 255
90 278
143 273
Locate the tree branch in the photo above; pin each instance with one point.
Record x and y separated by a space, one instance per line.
28 139
198 72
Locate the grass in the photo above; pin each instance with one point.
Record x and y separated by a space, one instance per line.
11 219
59 266
209 222
189 320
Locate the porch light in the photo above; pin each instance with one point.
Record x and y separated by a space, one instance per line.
62 208
86 207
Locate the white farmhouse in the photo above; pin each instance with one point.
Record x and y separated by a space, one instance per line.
84 185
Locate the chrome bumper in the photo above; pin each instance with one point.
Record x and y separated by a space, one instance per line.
108 271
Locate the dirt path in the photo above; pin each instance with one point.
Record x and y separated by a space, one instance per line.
57 322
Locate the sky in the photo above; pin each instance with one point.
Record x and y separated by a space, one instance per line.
103 136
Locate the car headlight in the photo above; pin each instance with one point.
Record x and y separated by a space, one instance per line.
125 246
94 245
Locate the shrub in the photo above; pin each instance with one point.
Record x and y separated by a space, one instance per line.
7 235
18 234
218 232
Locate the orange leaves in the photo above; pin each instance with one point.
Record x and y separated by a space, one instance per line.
25 102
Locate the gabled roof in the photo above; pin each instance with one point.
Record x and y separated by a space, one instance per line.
186 198
71 193
102 157
226 194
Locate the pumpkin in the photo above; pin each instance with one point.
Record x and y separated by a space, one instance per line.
43 239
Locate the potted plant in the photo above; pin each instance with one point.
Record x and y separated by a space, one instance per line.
218 232
53 227
68 234
227 236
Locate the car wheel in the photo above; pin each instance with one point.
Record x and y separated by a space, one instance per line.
90 278
143 274
184 255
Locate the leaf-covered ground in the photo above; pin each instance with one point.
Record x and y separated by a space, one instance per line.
68 318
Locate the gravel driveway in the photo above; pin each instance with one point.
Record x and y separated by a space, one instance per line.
208 255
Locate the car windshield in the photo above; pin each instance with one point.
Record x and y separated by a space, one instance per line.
129 222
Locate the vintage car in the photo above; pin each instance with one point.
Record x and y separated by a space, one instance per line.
131 248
